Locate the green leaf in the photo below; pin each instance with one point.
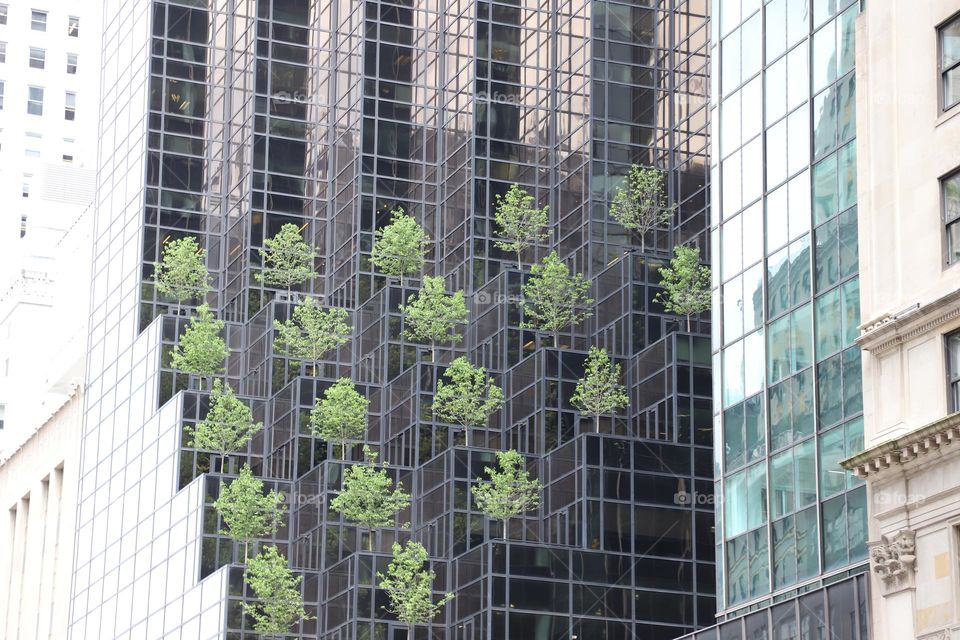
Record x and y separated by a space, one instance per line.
228 425
341 415
287 259
553 298
369 498
400 247
279 604
247 511
510 490
599 392
686 284
639 202
201 350
470 396
409 585
521 224
312 331
182 272
432 316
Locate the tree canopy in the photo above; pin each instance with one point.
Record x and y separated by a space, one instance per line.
228 425
287 259
201 350
554 299
312 331
409 586
432 316
399 249
599 392
341 415
279 604
510 490
369 497
639 203
182 272
469 397
247 511
521 224
686 284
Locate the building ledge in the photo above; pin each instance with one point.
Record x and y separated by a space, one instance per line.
922 442
891 330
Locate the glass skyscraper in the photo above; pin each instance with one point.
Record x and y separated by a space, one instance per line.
791 523
225 120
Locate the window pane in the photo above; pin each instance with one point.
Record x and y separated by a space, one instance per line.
733 440
807 560
824 56
755 428
776 28
753 234
834 533
806 474
951 87
847 109
848 25
828 256
776 94
953 242
759 577
950 44
824 122
753 298
847 172
783 498
832 475
735 504
852 382
825 189
828 324
830 387
784 557
849 252
756 495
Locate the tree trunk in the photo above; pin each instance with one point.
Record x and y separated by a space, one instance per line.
505 528
246 548
688 324
433 352
643 242
556 339
519 261
223 463
596 422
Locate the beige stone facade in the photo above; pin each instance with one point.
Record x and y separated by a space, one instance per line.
910 303
38 495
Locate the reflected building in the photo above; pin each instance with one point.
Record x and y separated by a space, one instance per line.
791 522
227 119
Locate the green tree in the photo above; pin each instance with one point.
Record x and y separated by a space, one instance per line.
399 248
432 316
340 416
279 603
510 490
686 284
469 398
201 350
639 202
599 392
247 511
521 224
228 425
555 299
182 272
311 332
409 586
287 259
369 498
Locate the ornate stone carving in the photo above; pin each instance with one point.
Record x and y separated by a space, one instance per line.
894 560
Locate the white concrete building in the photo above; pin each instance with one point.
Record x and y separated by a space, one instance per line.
908 123
49 104
38 492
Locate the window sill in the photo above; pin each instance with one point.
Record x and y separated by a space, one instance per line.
947 115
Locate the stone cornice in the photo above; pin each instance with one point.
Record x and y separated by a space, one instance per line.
911 446
886 333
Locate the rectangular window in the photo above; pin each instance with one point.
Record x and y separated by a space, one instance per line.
23 225
73 27
38 58
38 20
70 106
72 63
950 63
3 14
1 95
31 153
3 51
950 195
35 101
953 369
67 158
25 190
